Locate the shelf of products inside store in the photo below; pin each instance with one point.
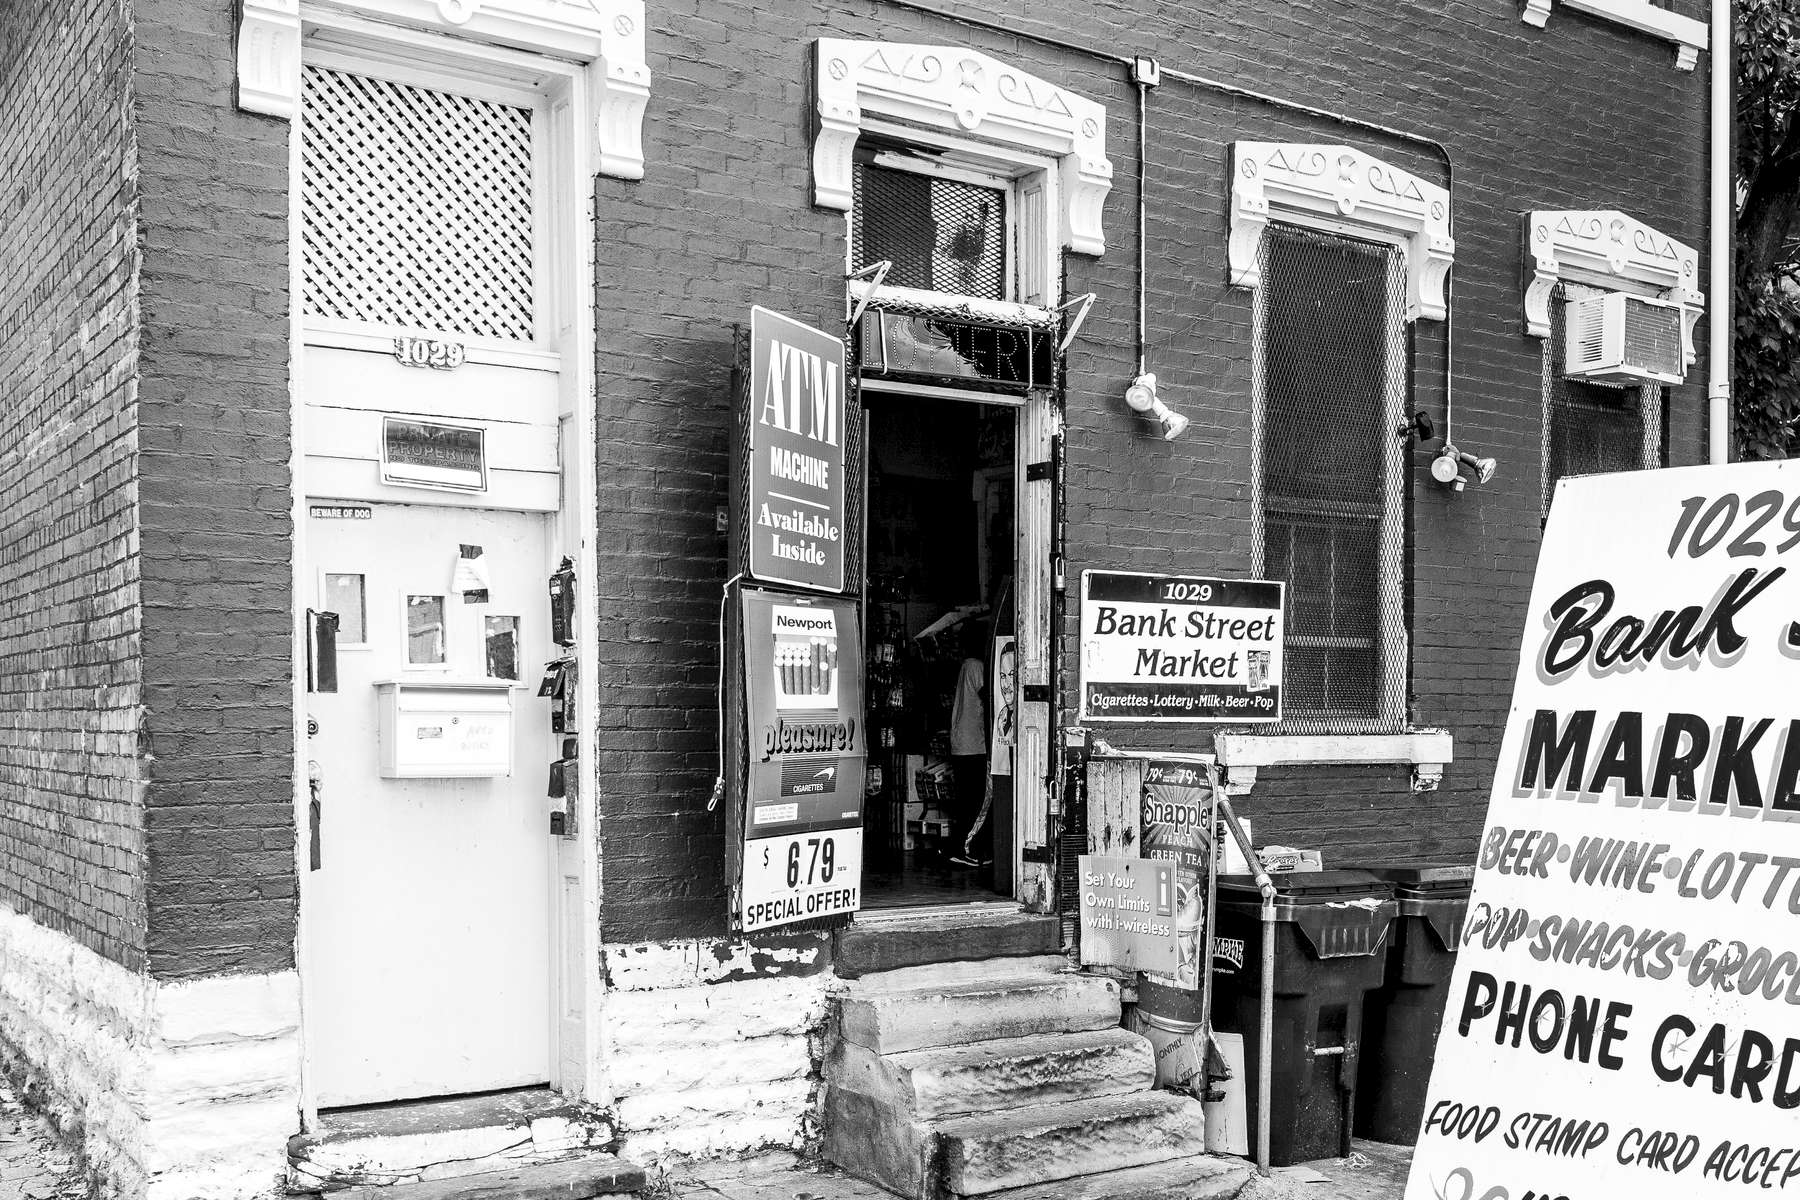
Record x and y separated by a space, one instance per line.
910 685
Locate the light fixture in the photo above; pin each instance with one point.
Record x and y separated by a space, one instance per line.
1142 398
1447 467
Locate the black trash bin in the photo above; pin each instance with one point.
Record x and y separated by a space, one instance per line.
1331 937
1400 1023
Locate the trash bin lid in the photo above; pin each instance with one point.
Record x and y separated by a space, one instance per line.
1429 880
1340 914
1307 887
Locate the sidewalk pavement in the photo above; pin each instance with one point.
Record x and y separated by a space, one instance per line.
1372 1172
34 1163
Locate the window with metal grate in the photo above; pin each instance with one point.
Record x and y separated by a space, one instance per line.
1591 427
1330 386
941 234
416 207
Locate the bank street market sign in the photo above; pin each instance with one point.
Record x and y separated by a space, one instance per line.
796 436
1179 648
1624 1017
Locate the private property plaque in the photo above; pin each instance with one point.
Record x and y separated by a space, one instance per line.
796 451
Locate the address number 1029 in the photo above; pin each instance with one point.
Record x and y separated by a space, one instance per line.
1709 522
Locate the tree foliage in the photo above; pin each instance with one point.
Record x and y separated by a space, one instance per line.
1766 358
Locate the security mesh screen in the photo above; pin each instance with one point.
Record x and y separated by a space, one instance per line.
416 206
1330 388
1590 427
940 234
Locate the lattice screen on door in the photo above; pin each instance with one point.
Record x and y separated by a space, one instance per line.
416 207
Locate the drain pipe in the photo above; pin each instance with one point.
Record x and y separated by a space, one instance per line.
1265 1032
1718 232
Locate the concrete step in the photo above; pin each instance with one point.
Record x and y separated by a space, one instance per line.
593 1177
1200 1177
1031 1146
962 971
880 943
977 1010
989 1076
387 1145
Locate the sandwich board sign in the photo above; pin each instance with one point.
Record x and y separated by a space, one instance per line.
1624 1016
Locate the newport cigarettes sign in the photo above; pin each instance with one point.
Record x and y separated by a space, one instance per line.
1179 648
796 398
1624 1018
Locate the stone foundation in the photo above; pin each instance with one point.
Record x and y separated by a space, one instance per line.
181 1091
713 1047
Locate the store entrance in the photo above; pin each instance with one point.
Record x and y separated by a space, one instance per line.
941 670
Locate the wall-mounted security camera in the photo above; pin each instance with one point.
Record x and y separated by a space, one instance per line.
1142 398
1416 428
1448 467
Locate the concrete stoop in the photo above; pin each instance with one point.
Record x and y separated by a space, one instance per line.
1007 1078
528 1144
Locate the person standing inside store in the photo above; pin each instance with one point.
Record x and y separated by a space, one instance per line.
968 748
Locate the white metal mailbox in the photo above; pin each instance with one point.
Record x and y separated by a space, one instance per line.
445 730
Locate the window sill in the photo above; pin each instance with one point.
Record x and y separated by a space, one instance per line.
1427 751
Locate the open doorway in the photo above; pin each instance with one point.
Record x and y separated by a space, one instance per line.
942 564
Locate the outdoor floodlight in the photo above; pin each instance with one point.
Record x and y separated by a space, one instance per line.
1447 467
1142 398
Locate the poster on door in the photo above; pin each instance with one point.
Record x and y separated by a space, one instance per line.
1624 1014
1176 811
803 800
1174 648
796 452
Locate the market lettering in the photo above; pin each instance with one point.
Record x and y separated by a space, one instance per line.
1744 1062
799 468
808 737
1546 1020
801 396
1681 636
1747 766
1168 623
1162 664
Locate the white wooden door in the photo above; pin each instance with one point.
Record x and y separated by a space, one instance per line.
427 915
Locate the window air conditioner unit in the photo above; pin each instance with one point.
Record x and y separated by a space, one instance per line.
1618 338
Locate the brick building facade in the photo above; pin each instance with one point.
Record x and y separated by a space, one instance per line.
198 397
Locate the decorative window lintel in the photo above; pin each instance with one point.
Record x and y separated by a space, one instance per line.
1608 249
1344 190
1688 34
606 35
960 92
1426 751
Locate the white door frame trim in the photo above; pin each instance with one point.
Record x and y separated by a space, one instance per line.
578 534
606 37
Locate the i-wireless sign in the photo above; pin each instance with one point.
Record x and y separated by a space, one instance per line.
1624 1018
796 397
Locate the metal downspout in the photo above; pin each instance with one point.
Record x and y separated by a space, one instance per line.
1718 235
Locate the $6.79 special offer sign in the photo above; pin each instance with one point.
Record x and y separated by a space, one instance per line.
803 799
1624 1017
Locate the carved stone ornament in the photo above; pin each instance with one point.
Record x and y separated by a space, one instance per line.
1605 249
607 35
1342 189
963 92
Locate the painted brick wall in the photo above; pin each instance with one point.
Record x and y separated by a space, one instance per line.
1581 115
217 533
71 816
